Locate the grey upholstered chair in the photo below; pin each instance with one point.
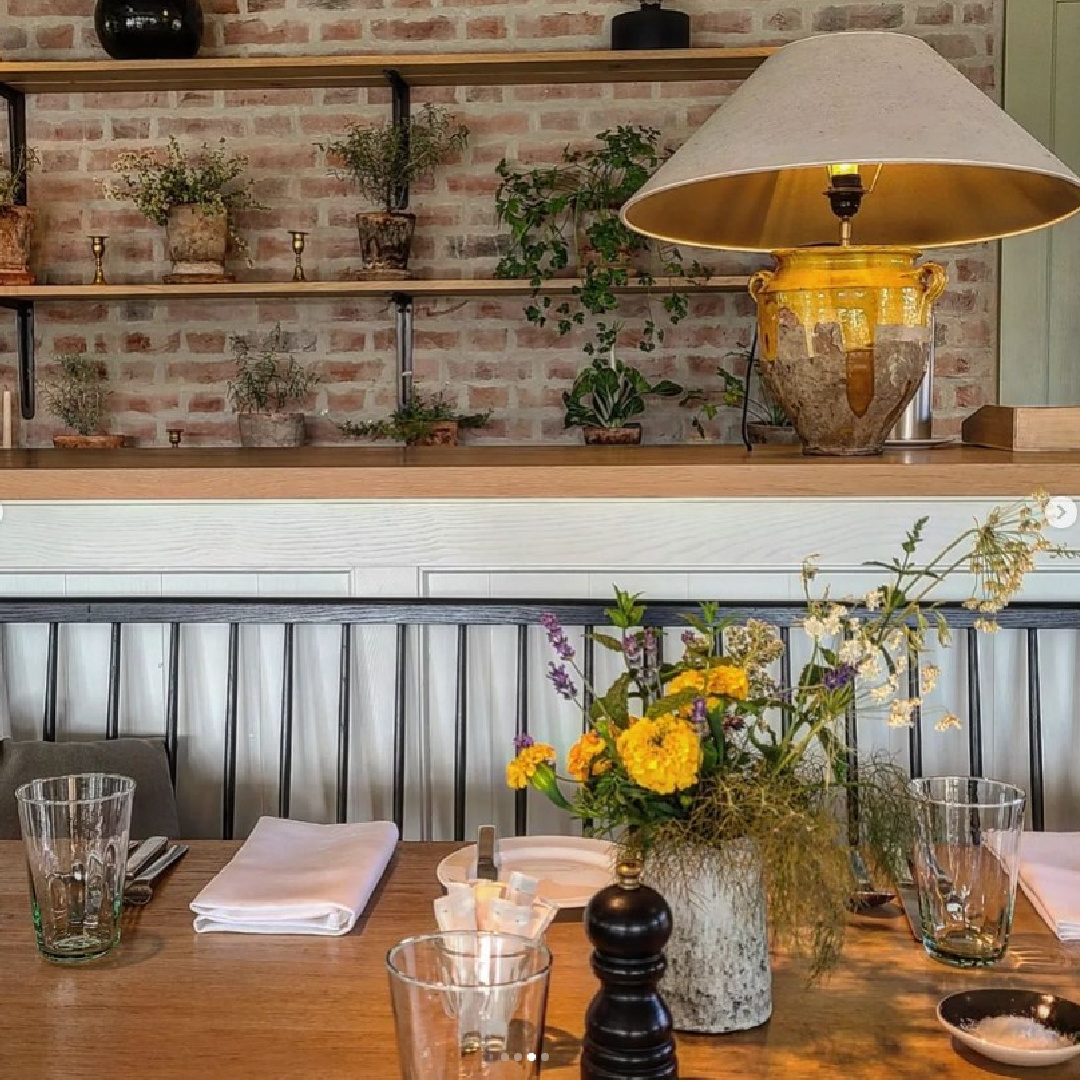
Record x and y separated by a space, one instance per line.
153 811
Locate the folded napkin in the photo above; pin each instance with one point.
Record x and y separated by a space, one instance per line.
1050 875
292 877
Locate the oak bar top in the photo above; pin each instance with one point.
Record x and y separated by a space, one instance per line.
533 472
171 1004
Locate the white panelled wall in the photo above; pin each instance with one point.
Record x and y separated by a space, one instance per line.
671 549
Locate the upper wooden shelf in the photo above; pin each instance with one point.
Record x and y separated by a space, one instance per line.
238 290
417 69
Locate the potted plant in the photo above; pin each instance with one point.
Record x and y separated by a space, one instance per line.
16 222
194 199
266 391
605 398
422 422
76 396
381 161
568 215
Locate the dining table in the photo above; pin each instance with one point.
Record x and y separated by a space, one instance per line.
168 1002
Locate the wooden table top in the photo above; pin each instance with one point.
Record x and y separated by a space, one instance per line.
173 1003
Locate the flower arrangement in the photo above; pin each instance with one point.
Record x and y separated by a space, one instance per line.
13 178
705 753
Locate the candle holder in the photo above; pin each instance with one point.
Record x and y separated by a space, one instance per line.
175 435
97 246
298 239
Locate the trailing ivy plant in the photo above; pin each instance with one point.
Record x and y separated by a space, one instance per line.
268 378
553 209
609 394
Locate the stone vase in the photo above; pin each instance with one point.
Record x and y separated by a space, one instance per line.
718 977
271 429
385 243
16 223
197 244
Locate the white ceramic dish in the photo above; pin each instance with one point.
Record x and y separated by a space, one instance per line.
919 444
570 868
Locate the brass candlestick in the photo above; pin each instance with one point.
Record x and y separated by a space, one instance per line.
175 435
97 246
298 247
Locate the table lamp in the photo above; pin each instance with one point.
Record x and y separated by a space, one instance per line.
844 155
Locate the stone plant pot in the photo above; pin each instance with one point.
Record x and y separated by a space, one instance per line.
16 224
271 429
197 245
772 434
443 433
385 242
88 442
618 436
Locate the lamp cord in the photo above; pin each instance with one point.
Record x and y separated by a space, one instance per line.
746 391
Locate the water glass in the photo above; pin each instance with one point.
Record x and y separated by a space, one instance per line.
469 1004
967 855
75 829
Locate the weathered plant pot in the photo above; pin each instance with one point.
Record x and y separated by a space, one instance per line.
271 429
16 226
845 338
88 442
612 436
442 433
385 243
772 434
718 977
197 244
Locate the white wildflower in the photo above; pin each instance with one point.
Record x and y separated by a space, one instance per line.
831 621
900 711
894 640
853 651
987 626
809 568
949 720
928 678
871 669
874 599
814 628
886 690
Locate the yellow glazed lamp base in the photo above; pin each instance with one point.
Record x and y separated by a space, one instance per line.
844 339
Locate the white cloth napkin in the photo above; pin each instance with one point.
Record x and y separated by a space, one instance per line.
1050 875
293 877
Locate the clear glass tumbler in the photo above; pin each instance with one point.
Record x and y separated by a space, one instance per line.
967 854
469 1004
75 829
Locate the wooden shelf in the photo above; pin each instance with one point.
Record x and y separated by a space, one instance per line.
239 290
417 69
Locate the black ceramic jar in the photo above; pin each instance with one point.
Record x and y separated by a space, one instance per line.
149 29
650 27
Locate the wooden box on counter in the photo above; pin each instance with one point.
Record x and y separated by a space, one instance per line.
1024 427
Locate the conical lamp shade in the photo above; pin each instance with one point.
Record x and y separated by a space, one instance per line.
955 167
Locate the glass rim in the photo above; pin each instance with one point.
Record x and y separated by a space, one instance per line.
1015 795
23 793
437 935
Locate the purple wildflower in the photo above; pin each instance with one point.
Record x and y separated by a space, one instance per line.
523 742
838 677
734 722
699 716
557 636
631 647
651 647
560 679
690 638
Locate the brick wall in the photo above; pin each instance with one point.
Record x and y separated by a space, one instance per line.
169 360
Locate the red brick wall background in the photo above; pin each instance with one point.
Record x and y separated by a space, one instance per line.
169 361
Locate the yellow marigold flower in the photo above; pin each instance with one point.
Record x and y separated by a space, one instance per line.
522 769
661 754
687 680
730 681
582 762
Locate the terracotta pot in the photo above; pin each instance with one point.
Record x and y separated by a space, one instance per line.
197 245
271 429
385 242
443 433
16 224
773 434
88 442
612 436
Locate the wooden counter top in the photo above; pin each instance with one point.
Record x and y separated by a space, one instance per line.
555 472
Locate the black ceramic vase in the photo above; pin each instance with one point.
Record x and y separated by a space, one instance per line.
650 27
149 29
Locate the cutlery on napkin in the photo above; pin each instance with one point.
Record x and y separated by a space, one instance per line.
293 877
1050 875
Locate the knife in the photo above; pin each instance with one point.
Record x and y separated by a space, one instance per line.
486 868
908 893
144 853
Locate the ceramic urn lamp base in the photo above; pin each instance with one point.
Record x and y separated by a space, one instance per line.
16 277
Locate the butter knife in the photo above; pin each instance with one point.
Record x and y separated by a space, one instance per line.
144 854
486 868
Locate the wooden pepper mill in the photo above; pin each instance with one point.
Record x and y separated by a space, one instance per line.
628 1033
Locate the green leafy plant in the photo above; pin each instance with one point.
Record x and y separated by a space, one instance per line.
76 394
761 407
13 178
552 210
381 159
268 378
609 394
415 421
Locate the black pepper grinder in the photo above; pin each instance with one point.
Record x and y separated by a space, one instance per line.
650 27
628 1033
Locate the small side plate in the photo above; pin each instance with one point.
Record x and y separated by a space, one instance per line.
959 1012
919 444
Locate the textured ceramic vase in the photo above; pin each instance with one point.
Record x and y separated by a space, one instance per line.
16 224
718 977
845 338
385 242
271 429
149 29
197 245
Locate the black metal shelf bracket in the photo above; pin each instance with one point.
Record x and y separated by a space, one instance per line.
400 114
403 316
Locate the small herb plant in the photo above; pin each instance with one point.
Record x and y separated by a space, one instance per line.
553 209
76 394
415 421
13 178
268 379
382 159
761 407
609 394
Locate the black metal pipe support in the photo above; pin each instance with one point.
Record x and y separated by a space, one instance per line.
400 114
403 326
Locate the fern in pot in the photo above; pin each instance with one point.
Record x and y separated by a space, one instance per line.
267 390
16 222
76 395
382 161
423 421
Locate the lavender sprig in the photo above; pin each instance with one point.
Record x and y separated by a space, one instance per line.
560 679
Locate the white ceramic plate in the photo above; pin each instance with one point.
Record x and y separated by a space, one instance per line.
919 444
570 868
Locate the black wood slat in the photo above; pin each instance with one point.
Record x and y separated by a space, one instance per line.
288 667
975 742
589 668
172 701
232 699
112 708
344 723
785 675
401 665
915 741
461 722
521 726
1035 735
52 665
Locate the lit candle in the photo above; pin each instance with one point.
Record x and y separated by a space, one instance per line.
7 419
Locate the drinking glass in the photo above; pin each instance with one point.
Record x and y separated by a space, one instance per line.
469 1004
967 854
75 829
